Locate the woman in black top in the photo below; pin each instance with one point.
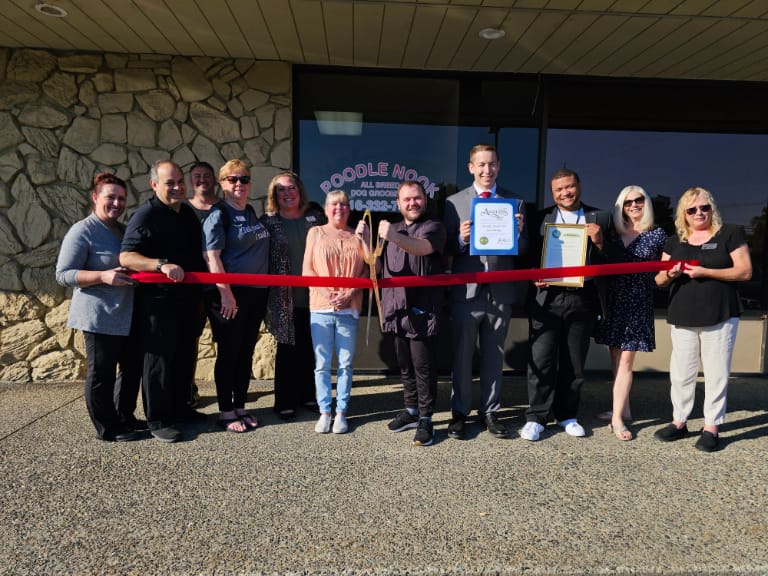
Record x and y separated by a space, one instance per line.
704 310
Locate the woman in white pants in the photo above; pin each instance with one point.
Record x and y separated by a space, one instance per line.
704 310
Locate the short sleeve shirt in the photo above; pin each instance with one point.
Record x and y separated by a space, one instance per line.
241 237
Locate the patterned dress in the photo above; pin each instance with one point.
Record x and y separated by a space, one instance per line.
629 321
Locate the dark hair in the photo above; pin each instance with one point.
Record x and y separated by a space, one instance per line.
564 173
202 164
103 178
416 183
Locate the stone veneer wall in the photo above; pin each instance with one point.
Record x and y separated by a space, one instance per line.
66 116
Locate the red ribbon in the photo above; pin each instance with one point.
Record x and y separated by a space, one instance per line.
416 281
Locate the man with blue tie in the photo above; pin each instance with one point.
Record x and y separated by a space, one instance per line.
479 311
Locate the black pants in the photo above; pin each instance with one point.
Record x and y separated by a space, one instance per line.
560 330
104 354
167 328
417 359
295 366
235 341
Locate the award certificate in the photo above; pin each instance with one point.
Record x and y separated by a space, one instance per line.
494 226
564 245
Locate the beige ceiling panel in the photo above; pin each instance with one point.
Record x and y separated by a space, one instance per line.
627 6
694 7
270 30
339 25
426 26
614 64
664 46
753 68
496 52
563 4
395 32
755 9
167 34
367 33
534 41
537 4
18 36
659 7
722 9
599 61
682 56
83 26
139 21
471 49
451 36
254 29
595 5
735 56
207 23
310 28
47 35
559 44
108 19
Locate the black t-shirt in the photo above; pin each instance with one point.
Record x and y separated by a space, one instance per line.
697 302
157 231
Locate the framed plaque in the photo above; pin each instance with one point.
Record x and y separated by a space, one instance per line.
494 226
564 245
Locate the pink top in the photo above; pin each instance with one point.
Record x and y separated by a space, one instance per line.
338 256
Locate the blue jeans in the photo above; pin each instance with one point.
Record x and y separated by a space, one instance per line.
331 331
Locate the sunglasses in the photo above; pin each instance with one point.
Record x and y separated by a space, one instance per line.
638 200
235 179
704 209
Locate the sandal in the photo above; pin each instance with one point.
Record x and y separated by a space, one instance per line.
250 421
231 425
621 432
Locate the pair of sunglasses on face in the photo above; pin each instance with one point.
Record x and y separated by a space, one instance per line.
704 209
235 179
640 200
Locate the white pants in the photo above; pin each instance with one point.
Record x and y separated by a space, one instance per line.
716 343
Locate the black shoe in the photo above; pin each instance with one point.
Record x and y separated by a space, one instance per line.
425 433
404 420
288 414
194 396
133 423
670 433
707 442
166 434
496 428
127 436
456 428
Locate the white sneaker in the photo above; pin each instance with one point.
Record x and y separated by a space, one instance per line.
572 427
340 424
531 431
323 425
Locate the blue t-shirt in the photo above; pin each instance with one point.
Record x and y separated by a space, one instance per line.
241 237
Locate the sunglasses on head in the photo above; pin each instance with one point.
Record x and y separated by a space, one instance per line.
704 209
235 179
638 200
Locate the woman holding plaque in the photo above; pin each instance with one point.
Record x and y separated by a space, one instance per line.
628 326
334 250
703 311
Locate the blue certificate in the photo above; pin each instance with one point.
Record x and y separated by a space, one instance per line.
494 226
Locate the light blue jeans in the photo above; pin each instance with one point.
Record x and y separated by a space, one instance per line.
331 331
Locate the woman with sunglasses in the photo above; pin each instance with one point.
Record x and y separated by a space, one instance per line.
235 241
703 311
628 325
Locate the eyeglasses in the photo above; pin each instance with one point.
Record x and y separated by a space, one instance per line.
235 179
704 209
638 200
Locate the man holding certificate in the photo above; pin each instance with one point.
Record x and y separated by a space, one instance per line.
563 311
482 310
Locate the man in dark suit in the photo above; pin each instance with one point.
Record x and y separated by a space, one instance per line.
479 309
561 318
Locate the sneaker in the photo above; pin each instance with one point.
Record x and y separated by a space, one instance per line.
531 431
323 425
670 433
572 427
425 434
166 434
707 442
340 425
403 421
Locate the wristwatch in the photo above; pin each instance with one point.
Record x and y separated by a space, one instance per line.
160 263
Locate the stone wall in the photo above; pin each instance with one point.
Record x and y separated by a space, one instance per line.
66 116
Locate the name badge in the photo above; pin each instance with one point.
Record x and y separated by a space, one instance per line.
712 246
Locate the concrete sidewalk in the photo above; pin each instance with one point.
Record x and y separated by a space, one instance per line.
285 500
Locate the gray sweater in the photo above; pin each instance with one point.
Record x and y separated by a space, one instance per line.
103 309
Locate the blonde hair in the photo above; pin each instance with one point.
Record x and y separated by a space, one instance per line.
272 204
335 195
233 166
620 220
681 223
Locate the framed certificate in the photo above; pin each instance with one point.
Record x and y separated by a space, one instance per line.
494 226
564 245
